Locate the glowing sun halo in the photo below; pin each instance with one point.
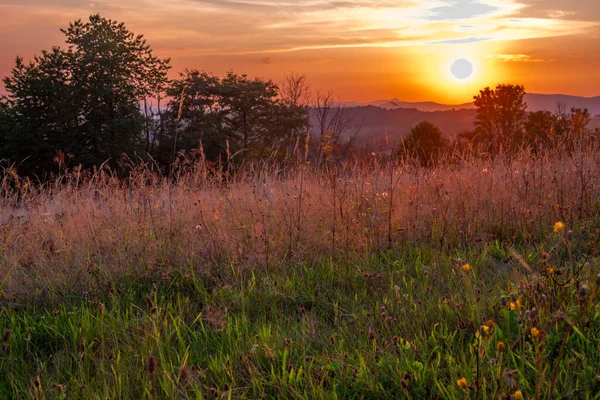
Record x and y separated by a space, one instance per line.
461 69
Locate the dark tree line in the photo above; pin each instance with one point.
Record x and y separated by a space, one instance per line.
503 125
103 97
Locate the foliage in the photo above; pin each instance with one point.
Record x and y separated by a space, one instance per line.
426 143
239 111
500 115
194 116
83 100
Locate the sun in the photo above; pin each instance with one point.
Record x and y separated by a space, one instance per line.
462 69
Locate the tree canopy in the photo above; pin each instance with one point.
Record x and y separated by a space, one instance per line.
83 100
500 116
426 143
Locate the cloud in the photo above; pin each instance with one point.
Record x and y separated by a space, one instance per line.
223 27
461 41
516 58
461 9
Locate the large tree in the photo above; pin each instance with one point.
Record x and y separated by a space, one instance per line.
85 99
194 117
500 116
242 115
426 143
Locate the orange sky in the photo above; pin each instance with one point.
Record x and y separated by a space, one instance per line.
363 50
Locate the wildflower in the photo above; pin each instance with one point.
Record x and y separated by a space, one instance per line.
462 382
559 226
485 330
503 301
535 332
545 256
518 395
570 235
515 304
466 267
371 333
500 347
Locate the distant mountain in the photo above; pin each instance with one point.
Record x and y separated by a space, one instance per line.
376 122
394 104
535 102
549 102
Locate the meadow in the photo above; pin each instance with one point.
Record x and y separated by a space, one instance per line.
479 278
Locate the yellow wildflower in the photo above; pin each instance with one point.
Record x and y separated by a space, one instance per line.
515 304
466 267
559 226
462 382
535 332
500 346
485 329
518 395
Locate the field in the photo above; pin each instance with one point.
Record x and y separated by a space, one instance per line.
475 279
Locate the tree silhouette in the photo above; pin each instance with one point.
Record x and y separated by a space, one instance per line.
83 100
426 143
500 116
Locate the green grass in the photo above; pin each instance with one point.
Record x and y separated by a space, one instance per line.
408 323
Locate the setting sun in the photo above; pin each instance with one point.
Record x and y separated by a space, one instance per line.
462 69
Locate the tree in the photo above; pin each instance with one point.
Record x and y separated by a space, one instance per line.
331 121
579 121
539 127
260 123
84 100
248 102
500 116
249 115
426 143
195 117
294 90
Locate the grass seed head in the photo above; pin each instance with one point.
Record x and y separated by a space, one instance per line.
151 364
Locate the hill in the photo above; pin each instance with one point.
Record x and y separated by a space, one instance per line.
396 117
535 102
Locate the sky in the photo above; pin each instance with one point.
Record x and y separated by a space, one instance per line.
361 50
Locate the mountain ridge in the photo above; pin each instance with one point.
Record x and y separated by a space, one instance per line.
535 102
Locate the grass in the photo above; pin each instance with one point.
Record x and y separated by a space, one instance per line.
370 282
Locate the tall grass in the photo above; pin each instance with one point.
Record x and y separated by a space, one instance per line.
96 231
373 280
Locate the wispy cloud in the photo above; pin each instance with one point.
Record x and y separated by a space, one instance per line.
516 58
456 10
255 26
461 41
